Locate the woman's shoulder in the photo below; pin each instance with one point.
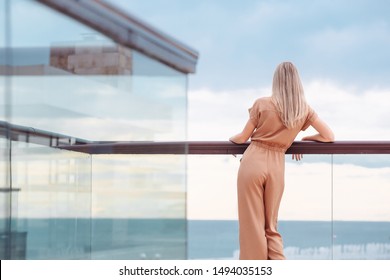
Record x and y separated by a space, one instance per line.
311 113
263 100
264 103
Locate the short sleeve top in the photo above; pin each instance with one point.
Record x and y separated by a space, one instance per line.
269 127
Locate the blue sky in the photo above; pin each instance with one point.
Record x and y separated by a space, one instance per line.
241 42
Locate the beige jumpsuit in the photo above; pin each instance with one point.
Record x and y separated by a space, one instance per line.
260 181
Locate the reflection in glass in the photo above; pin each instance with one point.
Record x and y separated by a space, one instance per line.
334 207
305 211
5 201
361 208
80 84
52 206
139 207
6 235
304 216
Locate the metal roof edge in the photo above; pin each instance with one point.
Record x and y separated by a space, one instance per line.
129 31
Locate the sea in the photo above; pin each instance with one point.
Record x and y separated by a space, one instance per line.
302 240
186 239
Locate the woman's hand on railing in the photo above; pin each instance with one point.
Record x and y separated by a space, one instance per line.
297 157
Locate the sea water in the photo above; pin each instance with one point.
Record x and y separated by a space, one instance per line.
80 238
302 239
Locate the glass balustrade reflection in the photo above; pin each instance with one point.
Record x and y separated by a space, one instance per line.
82 85
361 209
304 217
5 191
139 204
5 201
51 202
334 207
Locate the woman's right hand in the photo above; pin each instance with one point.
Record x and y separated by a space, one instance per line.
297 157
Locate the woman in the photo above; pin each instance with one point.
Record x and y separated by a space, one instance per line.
273 124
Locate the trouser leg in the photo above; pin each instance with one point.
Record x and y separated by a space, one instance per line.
253 243
272 197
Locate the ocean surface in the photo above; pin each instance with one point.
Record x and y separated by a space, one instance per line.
302 240
81 238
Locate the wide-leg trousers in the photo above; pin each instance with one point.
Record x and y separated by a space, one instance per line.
260 186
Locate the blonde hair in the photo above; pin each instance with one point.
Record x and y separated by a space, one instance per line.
288 94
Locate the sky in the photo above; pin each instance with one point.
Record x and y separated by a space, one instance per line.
341 49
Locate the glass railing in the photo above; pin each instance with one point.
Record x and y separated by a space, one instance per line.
63 204
334 207
128 200
82 77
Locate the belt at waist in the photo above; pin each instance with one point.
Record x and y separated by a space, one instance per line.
270 146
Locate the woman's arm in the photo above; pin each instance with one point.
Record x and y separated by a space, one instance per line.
244 135
325 134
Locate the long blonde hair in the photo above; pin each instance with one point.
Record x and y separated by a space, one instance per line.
288 94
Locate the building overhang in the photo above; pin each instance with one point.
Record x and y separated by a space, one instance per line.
129 31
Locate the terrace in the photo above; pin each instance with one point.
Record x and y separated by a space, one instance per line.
151 230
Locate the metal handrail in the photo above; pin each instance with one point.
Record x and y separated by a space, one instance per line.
226 147
37 136
61 141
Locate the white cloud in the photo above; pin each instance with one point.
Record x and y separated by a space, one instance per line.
218 115
352 113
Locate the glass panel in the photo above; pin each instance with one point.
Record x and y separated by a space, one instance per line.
139 207
5 200
361 208
90 87
212 207
51 203
5 194
81 85
305 211
304 216
100 107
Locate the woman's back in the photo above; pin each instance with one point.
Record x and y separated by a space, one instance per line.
269 128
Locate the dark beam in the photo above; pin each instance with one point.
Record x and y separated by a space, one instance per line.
225 147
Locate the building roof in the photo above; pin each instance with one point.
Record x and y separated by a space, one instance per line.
129 31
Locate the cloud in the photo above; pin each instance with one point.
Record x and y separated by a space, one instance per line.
354 193
353 113
218 115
